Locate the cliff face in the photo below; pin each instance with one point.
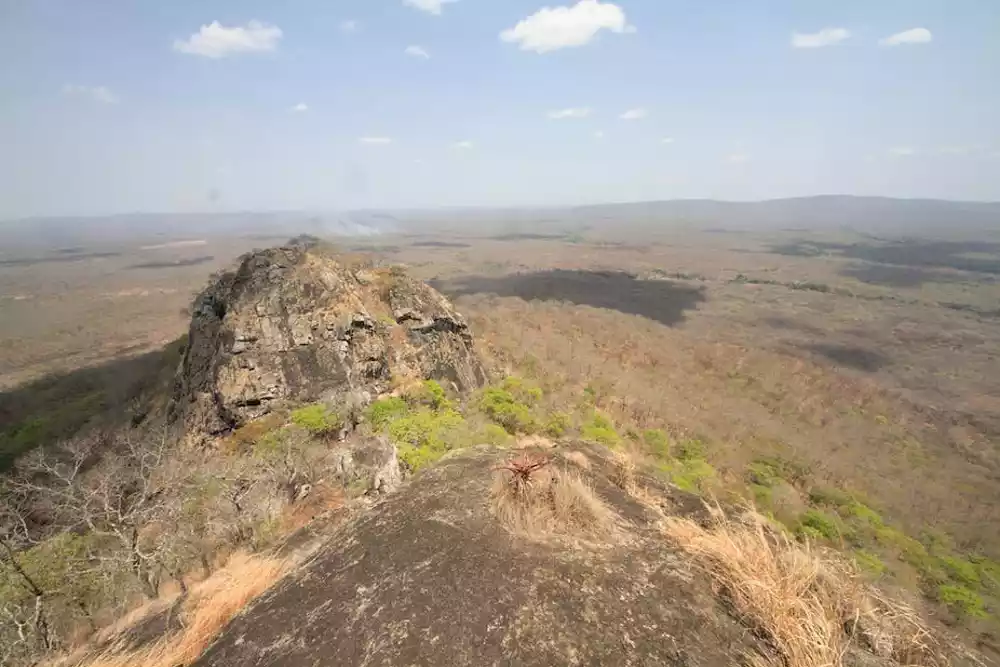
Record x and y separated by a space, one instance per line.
296 324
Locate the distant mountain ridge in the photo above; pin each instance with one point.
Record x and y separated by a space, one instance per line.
873 214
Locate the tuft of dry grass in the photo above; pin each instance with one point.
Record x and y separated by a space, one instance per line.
807 603
579 459
208 608
549 501
624 473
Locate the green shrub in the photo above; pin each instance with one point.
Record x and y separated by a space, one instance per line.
960 570
493 434
773 470
864 514
600 429
817 523
762 473
522 391
829 497
431 394
962 601
317 419
869 562
691 475
691 449
383 412
502 407
557 424
658 442
424 436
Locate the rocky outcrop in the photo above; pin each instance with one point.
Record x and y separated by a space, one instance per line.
429 577
296 324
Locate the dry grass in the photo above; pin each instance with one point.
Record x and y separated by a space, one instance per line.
208 608
624 473
809 605
579 459
552 501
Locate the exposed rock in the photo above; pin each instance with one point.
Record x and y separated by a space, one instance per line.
429 577
370 461
295 324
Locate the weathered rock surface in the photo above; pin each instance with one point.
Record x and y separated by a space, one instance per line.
429 577
296 324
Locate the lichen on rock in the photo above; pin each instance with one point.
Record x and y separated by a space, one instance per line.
296 324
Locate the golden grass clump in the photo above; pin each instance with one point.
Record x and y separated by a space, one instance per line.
547 501
624 473
579 459
208 608
809 604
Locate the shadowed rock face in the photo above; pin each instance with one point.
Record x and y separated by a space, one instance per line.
294 324
429 577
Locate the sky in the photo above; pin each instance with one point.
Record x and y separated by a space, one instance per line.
115 106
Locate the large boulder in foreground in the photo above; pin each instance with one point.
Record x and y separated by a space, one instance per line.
432 577
296 324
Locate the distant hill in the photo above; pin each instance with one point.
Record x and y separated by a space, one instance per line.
871 214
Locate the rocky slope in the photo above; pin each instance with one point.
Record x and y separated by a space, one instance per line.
431 577
294 324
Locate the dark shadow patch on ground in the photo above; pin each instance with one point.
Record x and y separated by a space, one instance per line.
660 300
890 275
909 252
851 356
42 412
789 324
193 261
57 259
440 244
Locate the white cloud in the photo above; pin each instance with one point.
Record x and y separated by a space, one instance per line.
429 6
464 145
634 114
667 140
96 93
599 134
815 40
375 141
912 36
576 112
737 158
218 41
350 25
300 107
417 52
902 151
552 28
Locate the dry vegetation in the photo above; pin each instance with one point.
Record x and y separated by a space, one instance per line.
205 611
532 497
807 603
854 398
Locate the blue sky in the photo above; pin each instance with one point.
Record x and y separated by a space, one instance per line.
110 106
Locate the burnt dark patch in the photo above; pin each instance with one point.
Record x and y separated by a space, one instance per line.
890 275
192 261
907 252
57 259
661 300
789 324
440 244
851 356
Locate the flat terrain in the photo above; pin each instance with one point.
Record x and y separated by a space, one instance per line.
871 360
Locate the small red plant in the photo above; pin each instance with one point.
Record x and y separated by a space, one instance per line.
523 467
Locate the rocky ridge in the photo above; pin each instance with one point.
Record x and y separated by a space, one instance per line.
297 324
